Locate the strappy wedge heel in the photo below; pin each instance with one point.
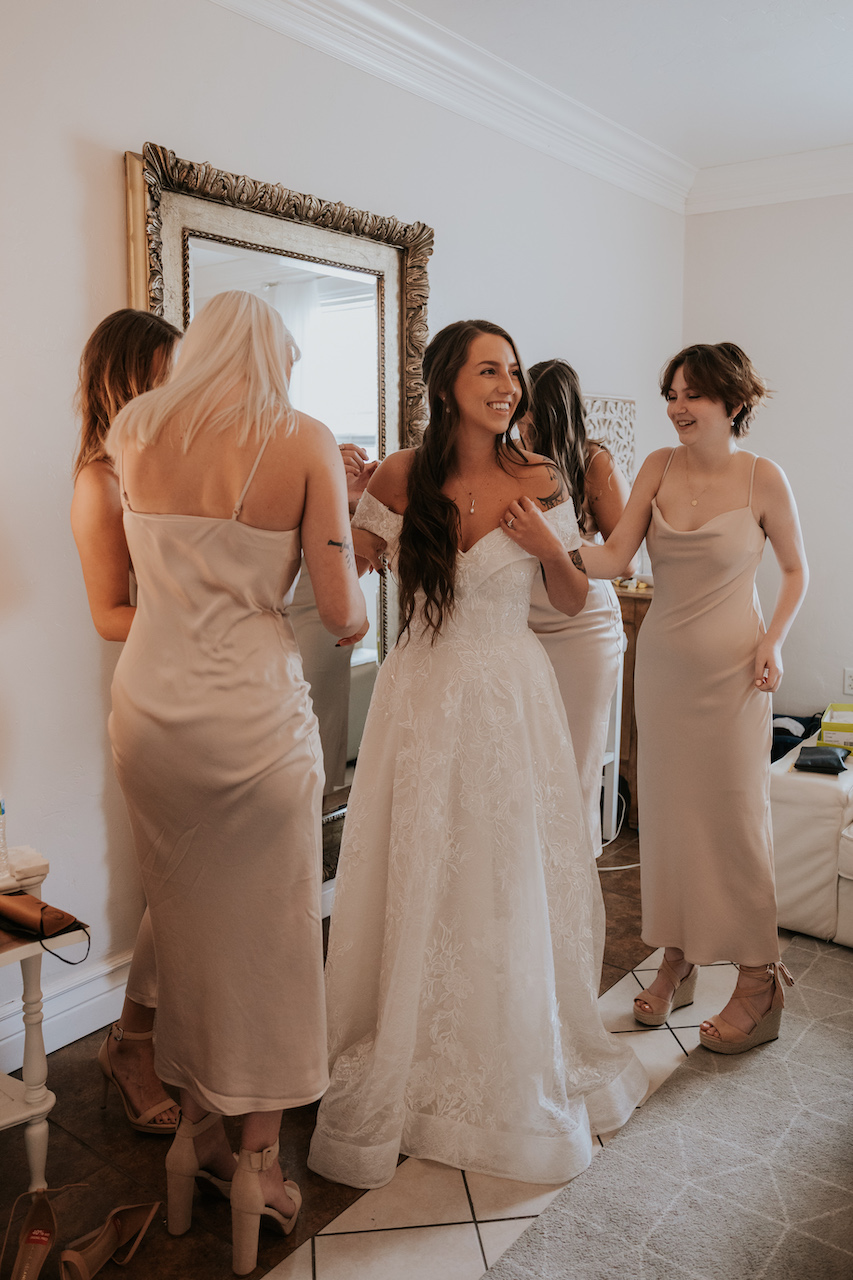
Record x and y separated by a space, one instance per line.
143 1121
683 992
766 1028
126 1225
182 1170
248 1206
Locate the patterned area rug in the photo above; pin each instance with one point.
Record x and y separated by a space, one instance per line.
738 1167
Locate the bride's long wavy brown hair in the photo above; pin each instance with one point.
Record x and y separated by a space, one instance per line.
429 539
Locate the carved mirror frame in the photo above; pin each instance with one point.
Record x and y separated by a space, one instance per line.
171 201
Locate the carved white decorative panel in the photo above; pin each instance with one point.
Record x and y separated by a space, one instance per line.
611 420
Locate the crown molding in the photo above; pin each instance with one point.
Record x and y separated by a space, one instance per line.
806 175
389 41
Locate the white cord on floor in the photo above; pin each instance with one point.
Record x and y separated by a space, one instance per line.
631 866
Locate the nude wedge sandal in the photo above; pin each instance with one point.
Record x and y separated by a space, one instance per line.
683 992
732 1039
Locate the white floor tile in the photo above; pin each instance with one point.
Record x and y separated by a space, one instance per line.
616 1006
660 1053
714 986
498 1236
421 1253
651 962
687 1037
421 1193
502 1198
296 1267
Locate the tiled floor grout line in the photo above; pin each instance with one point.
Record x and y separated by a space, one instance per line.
474 1217
413 1226
313 1258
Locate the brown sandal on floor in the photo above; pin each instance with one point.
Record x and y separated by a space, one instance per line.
683 991
766 1028
123 1226
36 1238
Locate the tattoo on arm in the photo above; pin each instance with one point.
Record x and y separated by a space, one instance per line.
345 550
557 495
575 557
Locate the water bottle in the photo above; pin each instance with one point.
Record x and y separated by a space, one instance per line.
5 865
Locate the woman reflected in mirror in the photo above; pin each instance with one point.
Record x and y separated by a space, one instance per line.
586 649
130 352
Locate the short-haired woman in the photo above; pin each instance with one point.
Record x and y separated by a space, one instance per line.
705 667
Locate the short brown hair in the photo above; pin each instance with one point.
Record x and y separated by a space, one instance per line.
118 364
721 372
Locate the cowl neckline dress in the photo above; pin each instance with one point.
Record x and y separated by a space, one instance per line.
704 733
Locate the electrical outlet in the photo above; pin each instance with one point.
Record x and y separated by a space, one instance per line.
848 682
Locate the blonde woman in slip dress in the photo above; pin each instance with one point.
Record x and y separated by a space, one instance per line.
585 650
705 667
216 747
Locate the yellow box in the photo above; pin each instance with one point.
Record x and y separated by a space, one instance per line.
836 730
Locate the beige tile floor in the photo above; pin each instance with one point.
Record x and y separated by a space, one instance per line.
434 1222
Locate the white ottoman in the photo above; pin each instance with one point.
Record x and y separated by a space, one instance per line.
813 845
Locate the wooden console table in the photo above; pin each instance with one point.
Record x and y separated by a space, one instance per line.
634 604
29 1101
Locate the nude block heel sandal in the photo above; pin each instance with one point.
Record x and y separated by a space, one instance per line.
182 1169
247 1207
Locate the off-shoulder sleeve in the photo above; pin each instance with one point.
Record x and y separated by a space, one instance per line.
373 515
565 524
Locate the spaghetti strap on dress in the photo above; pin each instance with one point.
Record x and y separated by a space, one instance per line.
217 752
706 855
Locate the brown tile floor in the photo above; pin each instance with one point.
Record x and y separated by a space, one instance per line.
119 1166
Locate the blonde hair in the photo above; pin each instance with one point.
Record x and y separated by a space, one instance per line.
128 354
236 343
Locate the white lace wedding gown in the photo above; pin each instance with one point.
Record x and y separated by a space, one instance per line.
468 926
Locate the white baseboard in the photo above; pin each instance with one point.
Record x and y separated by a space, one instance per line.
73 1006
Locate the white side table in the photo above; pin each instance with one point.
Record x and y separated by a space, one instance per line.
29 1101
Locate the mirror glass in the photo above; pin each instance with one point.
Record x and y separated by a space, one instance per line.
352 287
333 314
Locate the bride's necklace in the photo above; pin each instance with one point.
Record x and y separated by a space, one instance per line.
695 500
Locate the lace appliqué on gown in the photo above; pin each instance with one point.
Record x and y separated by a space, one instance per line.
467 932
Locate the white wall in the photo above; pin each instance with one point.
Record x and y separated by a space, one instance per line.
778 280
569 264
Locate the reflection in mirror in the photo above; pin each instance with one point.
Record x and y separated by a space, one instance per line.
332 313
352 288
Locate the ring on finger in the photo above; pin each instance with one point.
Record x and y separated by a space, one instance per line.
510 522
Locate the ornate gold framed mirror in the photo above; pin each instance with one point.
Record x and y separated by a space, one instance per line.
352 288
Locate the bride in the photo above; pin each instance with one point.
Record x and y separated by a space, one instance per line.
468 928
